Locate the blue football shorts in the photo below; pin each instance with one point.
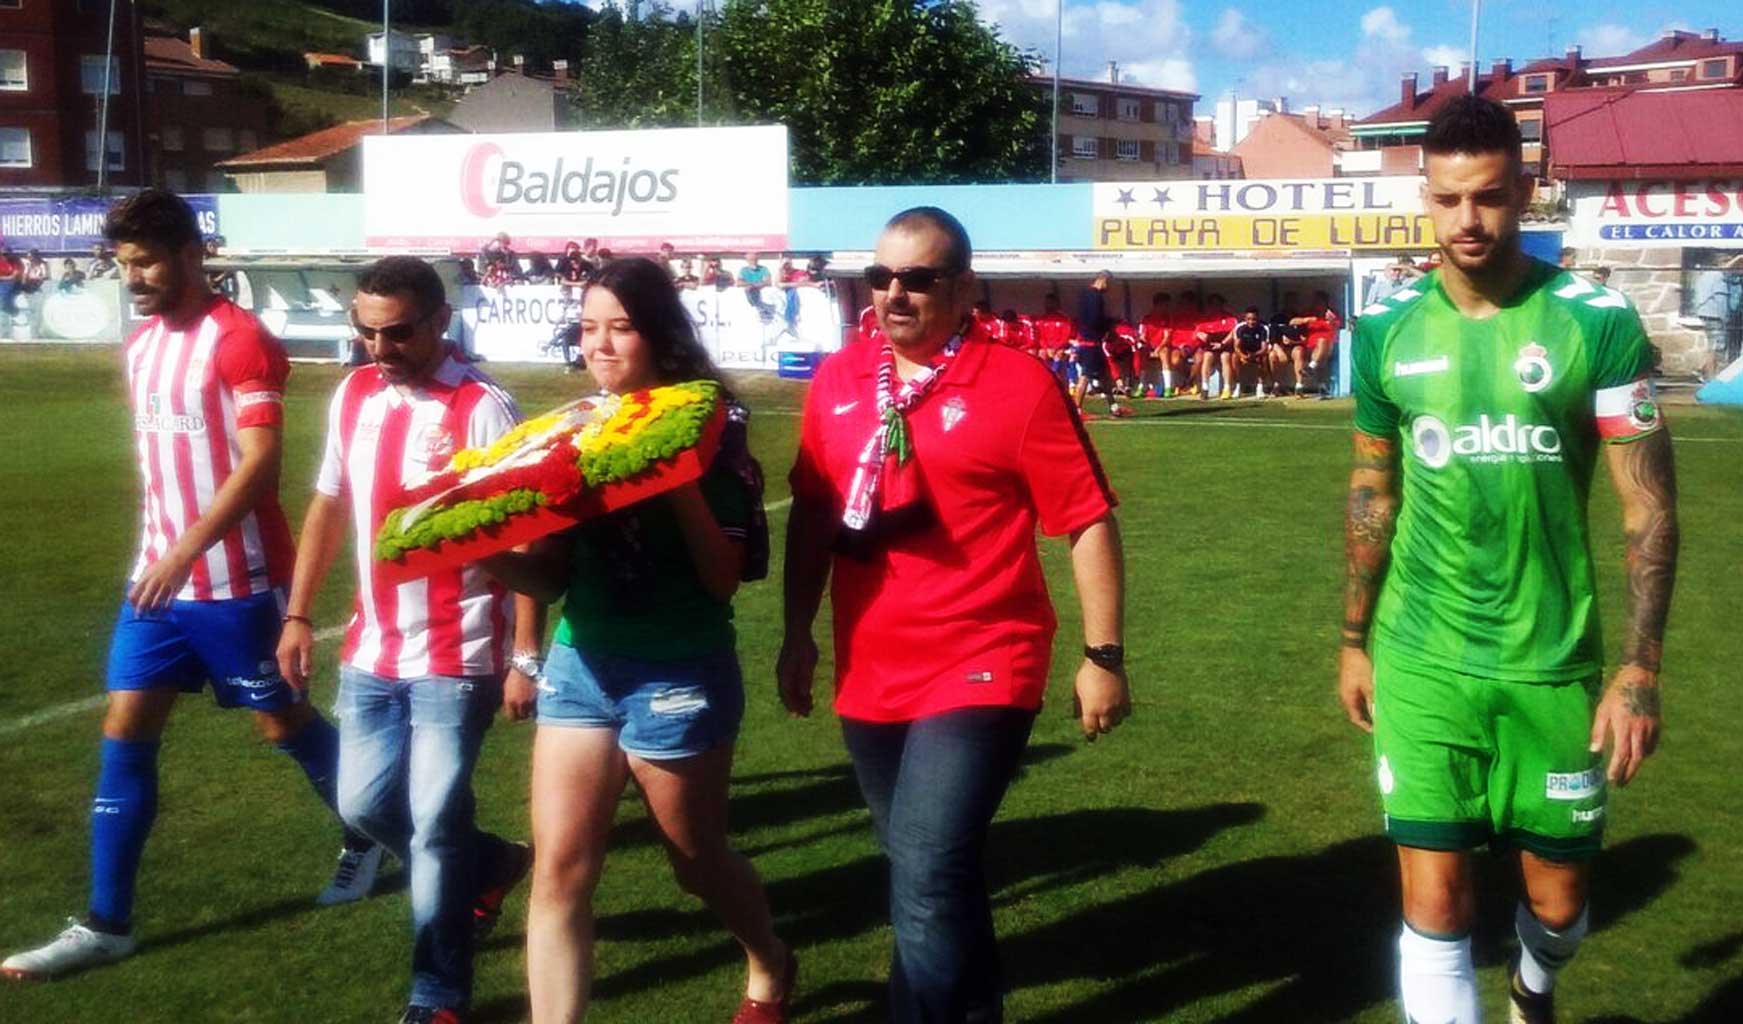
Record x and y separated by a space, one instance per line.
233 645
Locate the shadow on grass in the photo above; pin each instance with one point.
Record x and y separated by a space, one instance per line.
1724 1003
254 917
1318 931
1026 856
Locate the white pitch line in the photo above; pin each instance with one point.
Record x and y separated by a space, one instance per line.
73 707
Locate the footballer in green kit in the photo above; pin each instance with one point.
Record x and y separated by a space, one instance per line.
1485 394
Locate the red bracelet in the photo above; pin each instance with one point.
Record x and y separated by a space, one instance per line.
304 619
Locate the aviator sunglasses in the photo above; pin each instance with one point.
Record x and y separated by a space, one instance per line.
914 279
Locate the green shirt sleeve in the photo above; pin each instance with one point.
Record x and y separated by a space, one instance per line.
1620 351
1376 415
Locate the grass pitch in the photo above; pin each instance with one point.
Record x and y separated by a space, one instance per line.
1217 858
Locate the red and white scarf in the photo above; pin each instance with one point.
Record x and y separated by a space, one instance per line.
891 437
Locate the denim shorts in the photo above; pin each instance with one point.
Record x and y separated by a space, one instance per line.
661 710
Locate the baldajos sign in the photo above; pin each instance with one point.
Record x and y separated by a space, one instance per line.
698 188
1313 213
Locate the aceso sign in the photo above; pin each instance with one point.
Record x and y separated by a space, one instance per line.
698 188
1313 213
1647 213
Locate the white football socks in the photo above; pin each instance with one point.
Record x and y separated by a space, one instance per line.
1167 379
1437 979
1543 953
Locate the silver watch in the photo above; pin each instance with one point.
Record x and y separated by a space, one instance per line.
528 664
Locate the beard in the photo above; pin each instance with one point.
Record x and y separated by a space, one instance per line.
1497 251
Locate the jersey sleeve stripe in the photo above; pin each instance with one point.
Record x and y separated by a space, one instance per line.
1627 411
220 437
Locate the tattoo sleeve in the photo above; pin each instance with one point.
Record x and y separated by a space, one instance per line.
1369 518
1645 476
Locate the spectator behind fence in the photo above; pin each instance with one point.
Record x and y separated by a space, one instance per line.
686 279
1602 276
11 277
35 272
102 264
539 270
72 278
713 276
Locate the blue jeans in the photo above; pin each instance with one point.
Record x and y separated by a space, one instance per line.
406 752
933 786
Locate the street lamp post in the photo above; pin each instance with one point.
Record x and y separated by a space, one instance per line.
1058 46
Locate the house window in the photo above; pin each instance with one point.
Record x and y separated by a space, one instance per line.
1085 104
197 87
1531 131
1166 112
247 141
1171 152
218 140
1536 83
12 71
1128 108
175 179
1085 147
14 145
117 151
1126 149
91 76
1634 78
170 138
1679 74
1715 68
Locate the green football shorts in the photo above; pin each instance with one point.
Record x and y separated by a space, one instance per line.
1465 760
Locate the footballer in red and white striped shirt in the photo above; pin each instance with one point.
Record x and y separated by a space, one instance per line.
194 386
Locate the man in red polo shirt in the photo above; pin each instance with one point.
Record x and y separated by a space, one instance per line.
925 464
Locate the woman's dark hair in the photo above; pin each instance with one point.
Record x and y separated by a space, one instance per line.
647 294
154 217
392 275
1472 125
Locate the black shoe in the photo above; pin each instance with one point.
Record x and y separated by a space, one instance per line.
1527 1007
511 866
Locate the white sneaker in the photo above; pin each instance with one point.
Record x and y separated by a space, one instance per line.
353 878
75 949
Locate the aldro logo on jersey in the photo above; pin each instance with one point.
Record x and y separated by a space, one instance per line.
155 421
1533 368
1487 440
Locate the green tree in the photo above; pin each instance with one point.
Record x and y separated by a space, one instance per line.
638 68
883 91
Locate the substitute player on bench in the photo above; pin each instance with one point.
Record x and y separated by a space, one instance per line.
1483 397
205 382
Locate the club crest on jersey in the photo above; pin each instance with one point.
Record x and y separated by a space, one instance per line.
436 443
1533 368
1642 410
953 412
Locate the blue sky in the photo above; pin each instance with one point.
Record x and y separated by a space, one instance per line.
1337 53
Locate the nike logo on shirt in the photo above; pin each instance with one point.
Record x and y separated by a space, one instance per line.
845 408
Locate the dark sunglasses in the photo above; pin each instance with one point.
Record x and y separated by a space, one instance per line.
399 333
914 279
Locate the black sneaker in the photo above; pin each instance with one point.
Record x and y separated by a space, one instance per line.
1527 1007
506 873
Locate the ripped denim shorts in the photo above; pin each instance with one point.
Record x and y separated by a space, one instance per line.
661 710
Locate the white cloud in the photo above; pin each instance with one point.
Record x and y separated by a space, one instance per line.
1236 37
1445 56
1383 23
1364 81
1149 38
1609 40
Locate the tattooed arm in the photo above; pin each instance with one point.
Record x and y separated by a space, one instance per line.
1369 518
1644 473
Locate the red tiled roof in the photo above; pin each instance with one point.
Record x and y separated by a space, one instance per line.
1638 134
1047 80
332 58
1429 102
173 55
1672 46
318 146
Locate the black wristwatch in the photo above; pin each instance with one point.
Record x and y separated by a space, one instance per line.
1109 656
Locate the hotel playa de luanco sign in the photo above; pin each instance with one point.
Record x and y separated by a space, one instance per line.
1310 213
